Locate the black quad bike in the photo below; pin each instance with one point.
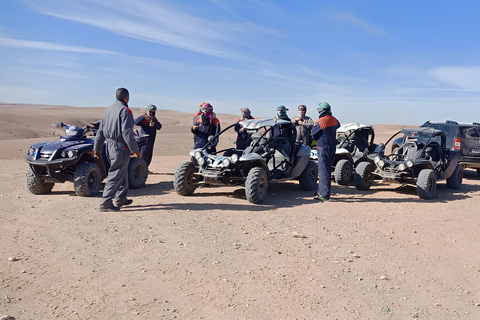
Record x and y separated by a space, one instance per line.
420 160
272 155
354 144
71 159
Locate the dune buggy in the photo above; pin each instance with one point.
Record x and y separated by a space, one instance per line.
419 160
71 159
355 143
271 156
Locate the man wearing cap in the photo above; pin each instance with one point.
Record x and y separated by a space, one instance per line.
303 125
149 124
325 132
284 130
243 138
116 133
206 125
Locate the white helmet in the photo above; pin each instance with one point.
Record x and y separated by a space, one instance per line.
151 107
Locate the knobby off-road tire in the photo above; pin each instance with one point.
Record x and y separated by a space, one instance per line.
426 184
363 175
343 173
185 179
256 185
455 180
309 177
36 185
137 173
87 179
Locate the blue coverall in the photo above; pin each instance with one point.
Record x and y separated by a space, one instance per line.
147 150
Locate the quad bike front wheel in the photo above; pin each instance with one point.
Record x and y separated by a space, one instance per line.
256 185
184 181
455 180
87 179
343 173
36 185
426 184
308 178
137 173
363 175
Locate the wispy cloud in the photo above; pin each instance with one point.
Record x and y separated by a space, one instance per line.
148 21
28 44
359 23
464 78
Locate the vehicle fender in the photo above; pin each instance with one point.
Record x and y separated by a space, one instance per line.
304 151
256 163
251 157
300 165
341 151
453 156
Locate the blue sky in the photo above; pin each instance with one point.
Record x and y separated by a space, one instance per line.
399 62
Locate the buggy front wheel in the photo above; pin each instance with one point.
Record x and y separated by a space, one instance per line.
184 181
308 178
343 172
256 185
426 184
363 175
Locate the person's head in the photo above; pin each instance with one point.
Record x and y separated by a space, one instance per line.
302 110
324 109
282 113
122 95
245 113
207 109
151 110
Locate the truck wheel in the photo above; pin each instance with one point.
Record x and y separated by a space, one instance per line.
308 178
184 181
137 173
256 185
426 184
363 175
36 185
87 179
343 173
455 180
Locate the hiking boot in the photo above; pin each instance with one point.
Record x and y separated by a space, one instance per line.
124 203
108 209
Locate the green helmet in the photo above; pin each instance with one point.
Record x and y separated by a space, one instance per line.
322 106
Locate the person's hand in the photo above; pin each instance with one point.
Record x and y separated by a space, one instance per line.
297 119
152 123
137 154
97 154
300 122
194 127
242 130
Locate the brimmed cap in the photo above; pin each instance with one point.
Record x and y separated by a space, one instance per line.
282 108
323 106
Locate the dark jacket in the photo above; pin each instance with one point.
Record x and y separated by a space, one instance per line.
145 125
202 133
325 132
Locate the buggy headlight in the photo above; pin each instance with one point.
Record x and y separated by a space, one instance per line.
31 151
381 164
198 155
376 160
401 167
226 162
201 161
234 158
409 163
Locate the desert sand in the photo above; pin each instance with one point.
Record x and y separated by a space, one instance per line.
379 254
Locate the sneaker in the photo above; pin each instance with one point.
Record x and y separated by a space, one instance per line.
320 198
125 203
109 209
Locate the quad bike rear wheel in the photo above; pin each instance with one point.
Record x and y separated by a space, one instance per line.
426 184
308 178
184 181
343 173
36 185
87 179
137 173
256 185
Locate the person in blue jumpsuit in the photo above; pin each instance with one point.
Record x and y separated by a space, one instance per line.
205 125
116 135
150 125
325 132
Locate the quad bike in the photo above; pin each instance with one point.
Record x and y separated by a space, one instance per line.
271 156
71 159
355 143
420 160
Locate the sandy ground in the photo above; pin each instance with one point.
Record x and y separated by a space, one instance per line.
381 254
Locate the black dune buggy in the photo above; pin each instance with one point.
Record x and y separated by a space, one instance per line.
355 143
71 159
420 160
271 156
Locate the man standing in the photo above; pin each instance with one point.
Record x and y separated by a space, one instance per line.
149 124
116 132
325 132
303 125
243 138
